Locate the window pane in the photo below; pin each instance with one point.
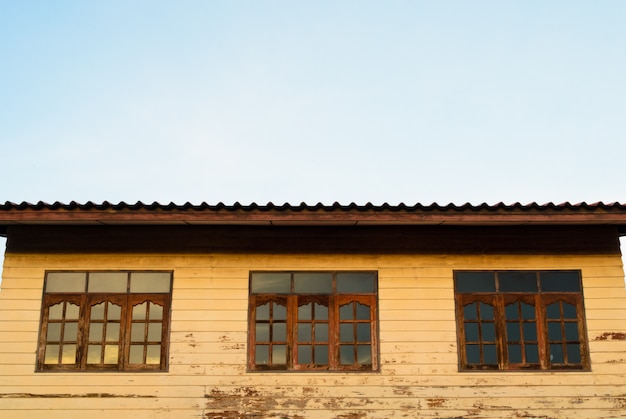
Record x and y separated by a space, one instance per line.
262 354
156 312
362 312
107 282
137 332
304 332
153 354
475 282
321 354
111 354
277 282
279 332
470 312
489 332
356 282
569 311
511 311
471 332
136 354
305 354
69 354
154 332
573 354
553 311
263 332
473 354
52 354
72 311
97 311
346 332
515 354
55 312
279 312
313 283
66 282
364 354
305 312
528 311
486 311
532 354
279 354
554 331
321 332
556 354
95 331
113 332
54 332
345 312
363 333
571 331
139 311
489 352
530 331
71 332
346 355
512 332
263 312
560 281
93 354
114 312
147 282
517 281
321 312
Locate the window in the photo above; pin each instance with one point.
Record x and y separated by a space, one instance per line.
313 321
513 320
105 321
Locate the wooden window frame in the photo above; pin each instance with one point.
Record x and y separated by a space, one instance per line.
334 300
86 300
540 300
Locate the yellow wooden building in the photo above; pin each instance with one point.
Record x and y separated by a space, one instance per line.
312 311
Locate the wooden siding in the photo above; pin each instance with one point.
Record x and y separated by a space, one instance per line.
207 375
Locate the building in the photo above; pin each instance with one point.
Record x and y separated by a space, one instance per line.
320 311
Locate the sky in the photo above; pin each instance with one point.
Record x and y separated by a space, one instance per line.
313 101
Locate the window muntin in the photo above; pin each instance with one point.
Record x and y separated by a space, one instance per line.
313 321
511 320
105 321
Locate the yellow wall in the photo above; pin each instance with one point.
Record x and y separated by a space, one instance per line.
207 376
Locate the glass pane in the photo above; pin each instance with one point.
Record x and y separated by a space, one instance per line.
363 332
470 312
313 283
556 354
93 354
110 354
305 354
137 332
569 311
155 312
145 282
55 312
345 312
362 312
473 354
263 332
471 332
489 352
528 312
346 332
571 331
136 354
69 354
515 354
279 332
279 312
560 281
153 355
263 312
517 281
139 311
511 311
530 332
321 354
52 354
346 355
488 332
270 282
95 331
321 312
532 354
71 332
97 311
553 311
54 332
364 354
305 312
279 354
262 354
486 311
475 282
513 332
113 332
304 332
154 332
573 354
354 282
114 311
107 282
66 282
321 332
71 311
554 331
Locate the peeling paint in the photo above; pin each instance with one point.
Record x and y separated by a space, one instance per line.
611 336
70 396
437 402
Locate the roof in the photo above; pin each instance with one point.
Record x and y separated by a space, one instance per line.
122 213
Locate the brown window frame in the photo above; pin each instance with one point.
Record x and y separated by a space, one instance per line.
292 342
528 315
129 317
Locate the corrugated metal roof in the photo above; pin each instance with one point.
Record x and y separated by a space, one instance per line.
316 214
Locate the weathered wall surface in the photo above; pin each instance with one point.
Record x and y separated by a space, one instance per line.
207 375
